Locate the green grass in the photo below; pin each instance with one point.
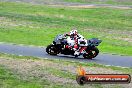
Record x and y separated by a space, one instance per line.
60 73
38 25
113 2
9 80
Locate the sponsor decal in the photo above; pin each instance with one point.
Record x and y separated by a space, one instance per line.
85 78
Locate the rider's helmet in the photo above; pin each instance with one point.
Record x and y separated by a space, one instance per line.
73 32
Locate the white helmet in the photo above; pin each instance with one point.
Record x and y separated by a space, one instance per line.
73 32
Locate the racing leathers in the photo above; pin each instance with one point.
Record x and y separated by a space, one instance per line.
74 41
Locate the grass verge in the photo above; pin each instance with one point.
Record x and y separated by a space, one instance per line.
67 62
9 80
31 72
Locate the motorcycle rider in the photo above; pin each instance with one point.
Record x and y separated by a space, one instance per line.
74 40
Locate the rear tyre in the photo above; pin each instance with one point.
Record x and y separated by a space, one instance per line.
51 49
91 53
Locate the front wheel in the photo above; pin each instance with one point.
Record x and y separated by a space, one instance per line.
51 49
92 53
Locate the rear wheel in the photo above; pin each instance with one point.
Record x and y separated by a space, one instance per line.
92 53
51 49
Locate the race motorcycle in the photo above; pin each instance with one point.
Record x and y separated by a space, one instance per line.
87 49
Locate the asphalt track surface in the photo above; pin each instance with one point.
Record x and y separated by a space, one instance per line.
106 59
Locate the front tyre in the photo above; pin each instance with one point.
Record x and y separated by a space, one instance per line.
92 53
51 49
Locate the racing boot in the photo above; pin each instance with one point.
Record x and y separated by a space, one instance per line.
76 53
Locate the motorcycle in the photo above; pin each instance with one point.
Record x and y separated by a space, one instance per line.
87 49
